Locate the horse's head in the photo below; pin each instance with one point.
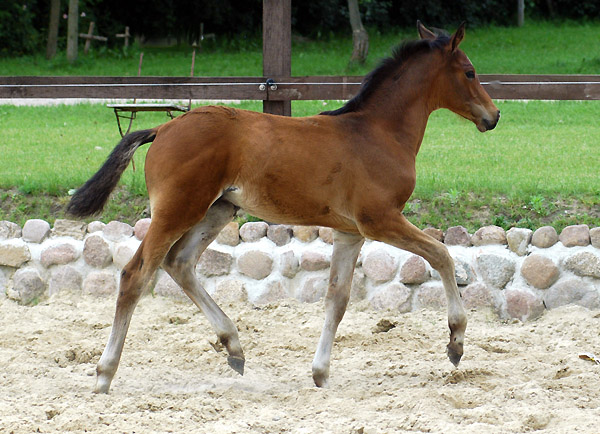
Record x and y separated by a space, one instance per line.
457 85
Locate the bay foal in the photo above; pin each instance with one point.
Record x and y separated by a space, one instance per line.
351 169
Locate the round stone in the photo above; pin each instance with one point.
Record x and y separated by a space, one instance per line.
380 266
255 264
544 237
253 231
539 271
395 297
495 270
96 252
457 236
489 235
414 270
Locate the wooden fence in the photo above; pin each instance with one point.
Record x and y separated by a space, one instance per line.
282 88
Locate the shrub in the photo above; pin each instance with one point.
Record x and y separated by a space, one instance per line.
17 33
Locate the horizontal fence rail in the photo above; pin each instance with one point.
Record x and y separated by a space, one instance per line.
133 87
542 87
504 86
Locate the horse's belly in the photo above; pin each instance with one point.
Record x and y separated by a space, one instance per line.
287 209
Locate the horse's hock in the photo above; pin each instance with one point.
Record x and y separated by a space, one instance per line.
518 273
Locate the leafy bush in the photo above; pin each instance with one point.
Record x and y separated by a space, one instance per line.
17 33
589 9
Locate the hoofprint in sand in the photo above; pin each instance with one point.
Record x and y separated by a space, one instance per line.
389 372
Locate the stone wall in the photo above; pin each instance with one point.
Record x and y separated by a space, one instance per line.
518 273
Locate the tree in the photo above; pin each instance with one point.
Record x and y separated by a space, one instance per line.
360 37
72 30
18 35
520 12
53 29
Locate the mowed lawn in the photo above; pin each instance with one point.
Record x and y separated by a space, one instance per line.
538 148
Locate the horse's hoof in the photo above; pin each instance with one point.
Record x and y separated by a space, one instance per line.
321 377
237 364
321 381
454 355
102 386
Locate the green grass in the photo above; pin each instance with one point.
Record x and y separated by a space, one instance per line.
537 148
536 48
53 149
542 159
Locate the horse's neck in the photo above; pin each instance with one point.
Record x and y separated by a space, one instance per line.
403 107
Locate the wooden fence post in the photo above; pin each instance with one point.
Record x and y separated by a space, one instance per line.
277 48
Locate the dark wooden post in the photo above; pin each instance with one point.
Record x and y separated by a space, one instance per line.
125 36
277 48
89 37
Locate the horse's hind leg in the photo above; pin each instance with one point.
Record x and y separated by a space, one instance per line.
134 277
346 248
180 263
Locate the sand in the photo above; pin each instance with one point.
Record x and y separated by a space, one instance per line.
514 377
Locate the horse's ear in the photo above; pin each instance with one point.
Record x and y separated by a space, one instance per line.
457 37
424 33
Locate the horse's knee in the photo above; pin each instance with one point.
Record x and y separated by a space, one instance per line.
129 288
134 276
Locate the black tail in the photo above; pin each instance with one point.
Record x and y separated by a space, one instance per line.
91 198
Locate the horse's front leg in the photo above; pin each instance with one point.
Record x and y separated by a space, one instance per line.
346 248
398 231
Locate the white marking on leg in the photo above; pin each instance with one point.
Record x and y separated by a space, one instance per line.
346 248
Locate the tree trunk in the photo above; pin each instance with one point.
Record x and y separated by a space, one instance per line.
360 37
550 8
53 29
72 30
520 12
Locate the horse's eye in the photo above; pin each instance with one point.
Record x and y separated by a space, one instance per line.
470 74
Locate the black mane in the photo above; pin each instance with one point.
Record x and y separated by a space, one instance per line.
387 67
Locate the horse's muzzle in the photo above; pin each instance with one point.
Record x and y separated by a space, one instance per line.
490 125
